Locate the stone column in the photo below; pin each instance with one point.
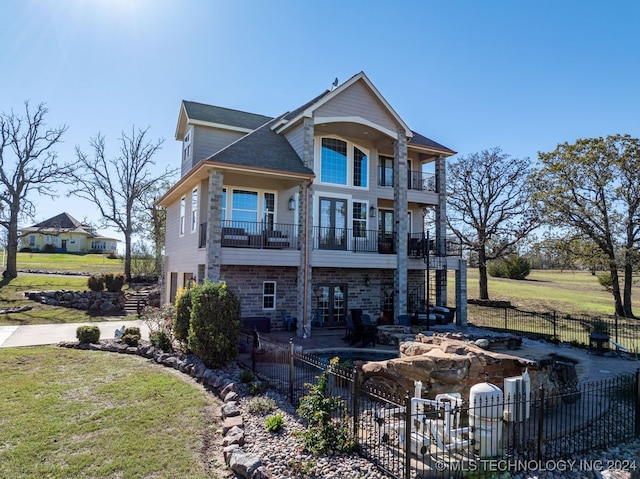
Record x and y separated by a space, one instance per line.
214 224
305 239
400 178
461 293
441 229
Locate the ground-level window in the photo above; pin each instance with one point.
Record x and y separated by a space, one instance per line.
269 295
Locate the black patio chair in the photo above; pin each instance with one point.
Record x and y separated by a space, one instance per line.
363 333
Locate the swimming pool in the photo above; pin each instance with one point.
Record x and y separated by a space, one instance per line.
353 354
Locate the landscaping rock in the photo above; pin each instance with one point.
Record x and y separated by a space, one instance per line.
244 464
234 436
232 422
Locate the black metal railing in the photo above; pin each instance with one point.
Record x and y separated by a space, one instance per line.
578 329
416 180
408 436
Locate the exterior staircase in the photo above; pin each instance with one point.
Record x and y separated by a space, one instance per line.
136 302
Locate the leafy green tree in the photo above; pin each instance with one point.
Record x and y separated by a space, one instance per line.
28 162
489 206
591 186
151 220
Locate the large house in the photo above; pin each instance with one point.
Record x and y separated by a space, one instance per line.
333 206
65 234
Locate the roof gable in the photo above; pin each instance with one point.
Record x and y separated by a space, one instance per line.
62 221
191 111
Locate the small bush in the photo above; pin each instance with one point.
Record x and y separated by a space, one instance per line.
96 282
131 336
183 315
88 334
604 279
25 249
514 267
246 376
274 423
49 248
161 340
260 405
325 434
114 282
257 388
112 255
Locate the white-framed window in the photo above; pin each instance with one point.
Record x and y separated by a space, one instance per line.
186 146
194 210
245 207
359 220
269 295
183 202
47 239
55 241
343 163
32 240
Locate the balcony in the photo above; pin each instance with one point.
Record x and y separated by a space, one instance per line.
416 180
278 236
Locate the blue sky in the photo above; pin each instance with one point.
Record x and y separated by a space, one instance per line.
521 75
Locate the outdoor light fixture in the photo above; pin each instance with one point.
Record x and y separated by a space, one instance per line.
372 211
292 203
366 280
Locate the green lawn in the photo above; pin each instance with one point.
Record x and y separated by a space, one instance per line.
70 413
568 292
87 263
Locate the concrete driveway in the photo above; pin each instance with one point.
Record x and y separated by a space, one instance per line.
40 334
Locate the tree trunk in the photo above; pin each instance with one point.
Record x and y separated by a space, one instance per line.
482 274
628 283
127 255
615 287
12 246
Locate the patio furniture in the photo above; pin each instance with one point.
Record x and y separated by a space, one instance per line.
234 237
276 239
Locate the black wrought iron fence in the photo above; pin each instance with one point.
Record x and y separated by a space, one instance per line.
407 435
622 333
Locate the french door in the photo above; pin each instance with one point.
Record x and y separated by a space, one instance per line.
332 303
333 223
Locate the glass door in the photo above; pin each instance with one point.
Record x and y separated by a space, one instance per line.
333 223
332 303
386 242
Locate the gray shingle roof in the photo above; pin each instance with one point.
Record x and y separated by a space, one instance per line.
420 140
265 149
225 116
62 221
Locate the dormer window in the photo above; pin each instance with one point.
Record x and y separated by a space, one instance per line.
343 163
186 147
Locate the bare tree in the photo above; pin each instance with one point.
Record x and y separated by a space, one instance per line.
27 163
489 205
116 185
151 220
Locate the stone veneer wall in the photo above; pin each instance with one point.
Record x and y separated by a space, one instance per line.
247 281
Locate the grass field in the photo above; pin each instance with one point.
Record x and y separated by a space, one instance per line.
70 413
12 292
87 263
567 292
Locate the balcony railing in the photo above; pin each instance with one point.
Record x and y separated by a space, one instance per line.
417 180
245 234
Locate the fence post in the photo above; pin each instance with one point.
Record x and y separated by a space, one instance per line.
540 424
637 398
555 332
408 421
616 319
357 380
291 371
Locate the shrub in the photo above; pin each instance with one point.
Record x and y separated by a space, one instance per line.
257 388
274 423
260 405
114 282
96 282
25 249
131 336
49 248
160 324
161 340
605 281
514 267
215 324
325 434
246 376
183 315
88 334
112 255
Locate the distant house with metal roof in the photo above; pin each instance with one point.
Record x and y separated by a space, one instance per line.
65 234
